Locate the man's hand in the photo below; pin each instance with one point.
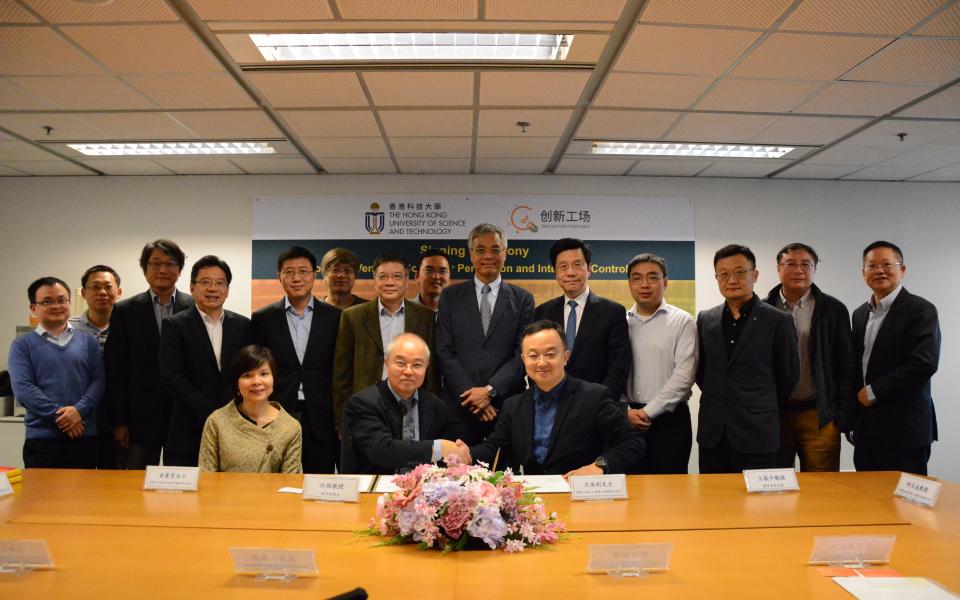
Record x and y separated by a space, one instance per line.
67 418
639 419
121 437
75 432
862 398
488 414
477 402
590 469
458 448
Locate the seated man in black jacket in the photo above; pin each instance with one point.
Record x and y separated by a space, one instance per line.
393 425
560 425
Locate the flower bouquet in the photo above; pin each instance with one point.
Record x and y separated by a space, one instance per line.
463 506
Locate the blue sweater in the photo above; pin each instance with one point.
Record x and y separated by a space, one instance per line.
46 377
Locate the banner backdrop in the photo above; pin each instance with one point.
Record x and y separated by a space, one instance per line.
617 228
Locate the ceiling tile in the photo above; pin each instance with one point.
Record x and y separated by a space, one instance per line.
719 128
853 155
651 91
884 173
854 97
309 89
13 97
358 165
554 10
448 147
58 11
946 23
65 127
331 123
257 10
914 60
145 49
420 88
806 130
8 172
516 147
412 166
511 165
683 51
531 88
136 126
504 122
885 133
93 92
413 123
40 51
946 104
743 167
275 165
594 166
670 167
758 95
324 148
945 174
951 140
214 90
807 56
735 13
238 124
625 124
414 10
11 12
929 156
126 166
891 17
17 150
805 171
193 165
48 167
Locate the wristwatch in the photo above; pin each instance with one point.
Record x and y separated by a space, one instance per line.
491 393
602 463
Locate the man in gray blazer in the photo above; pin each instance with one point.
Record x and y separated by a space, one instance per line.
478 338
748 367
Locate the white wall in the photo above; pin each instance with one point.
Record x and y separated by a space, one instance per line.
61 226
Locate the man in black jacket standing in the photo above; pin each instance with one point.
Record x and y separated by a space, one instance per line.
821 404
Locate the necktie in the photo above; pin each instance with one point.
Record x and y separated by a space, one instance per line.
486 311
571 324
409 427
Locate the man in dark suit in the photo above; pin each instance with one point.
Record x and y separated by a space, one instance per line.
301 331
136 403
478 338
366 330
897 338
596 328
395 425
196 348
748 367
561 425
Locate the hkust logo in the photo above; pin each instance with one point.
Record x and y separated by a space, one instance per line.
374 219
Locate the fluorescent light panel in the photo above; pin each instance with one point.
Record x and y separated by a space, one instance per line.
169 148
685 149
321 47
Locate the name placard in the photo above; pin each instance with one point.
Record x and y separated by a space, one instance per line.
24 554
598 487
178 479
265 562
916 489
626 558
5 488
852 549
331 488
771 480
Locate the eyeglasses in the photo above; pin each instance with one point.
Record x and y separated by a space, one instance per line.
156 265
549 356
885 267
55 302
414 366
214 283
340 271
483 251
291 273
737 275
574 266
390 276
652 278
96 289
805 265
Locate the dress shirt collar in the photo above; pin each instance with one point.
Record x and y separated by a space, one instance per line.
801 303
744 309
384 312
42 331
886 303
494 285
210 320
289 307
581 300
636 315
399 398
156 299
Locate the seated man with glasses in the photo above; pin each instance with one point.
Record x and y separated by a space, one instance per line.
561 425
394 425
57 374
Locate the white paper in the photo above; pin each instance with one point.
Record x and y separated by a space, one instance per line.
290 490
385 485
545 484
598 487
180 479
918 489
894 588
366 481
839 549
31 554
771 480
256 561
605 558
5 487
331 488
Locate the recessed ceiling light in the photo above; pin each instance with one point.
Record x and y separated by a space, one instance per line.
168 148
689 149
324 47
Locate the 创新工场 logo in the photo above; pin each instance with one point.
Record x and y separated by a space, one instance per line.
374 219
520 219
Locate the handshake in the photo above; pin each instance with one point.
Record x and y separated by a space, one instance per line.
458 448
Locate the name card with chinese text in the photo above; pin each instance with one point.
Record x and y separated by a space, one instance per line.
274 563
625 559
172 479
22 555
5 488
331 488
916 489
852 549
598 487
771 480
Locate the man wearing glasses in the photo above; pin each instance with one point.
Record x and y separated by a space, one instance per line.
366 331
478 338
301 331
821 406
137 407
747 370
897 337
196 349
57 374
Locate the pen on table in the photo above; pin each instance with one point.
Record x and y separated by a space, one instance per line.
496 459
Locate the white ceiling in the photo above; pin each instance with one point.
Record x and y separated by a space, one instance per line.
841 76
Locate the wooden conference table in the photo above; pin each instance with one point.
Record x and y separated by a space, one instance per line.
110 538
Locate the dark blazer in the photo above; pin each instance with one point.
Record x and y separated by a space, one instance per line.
831 358
358 359
905 355
373 432
189 374
587 425
134 396
741 395
601 351
270 329
468 358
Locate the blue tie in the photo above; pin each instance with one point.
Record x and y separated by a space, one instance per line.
571 324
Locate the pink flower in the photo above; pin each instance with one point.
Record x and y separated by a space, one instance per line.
513 546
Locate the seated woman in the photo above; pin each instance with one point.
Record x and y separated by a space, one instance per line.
251 434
